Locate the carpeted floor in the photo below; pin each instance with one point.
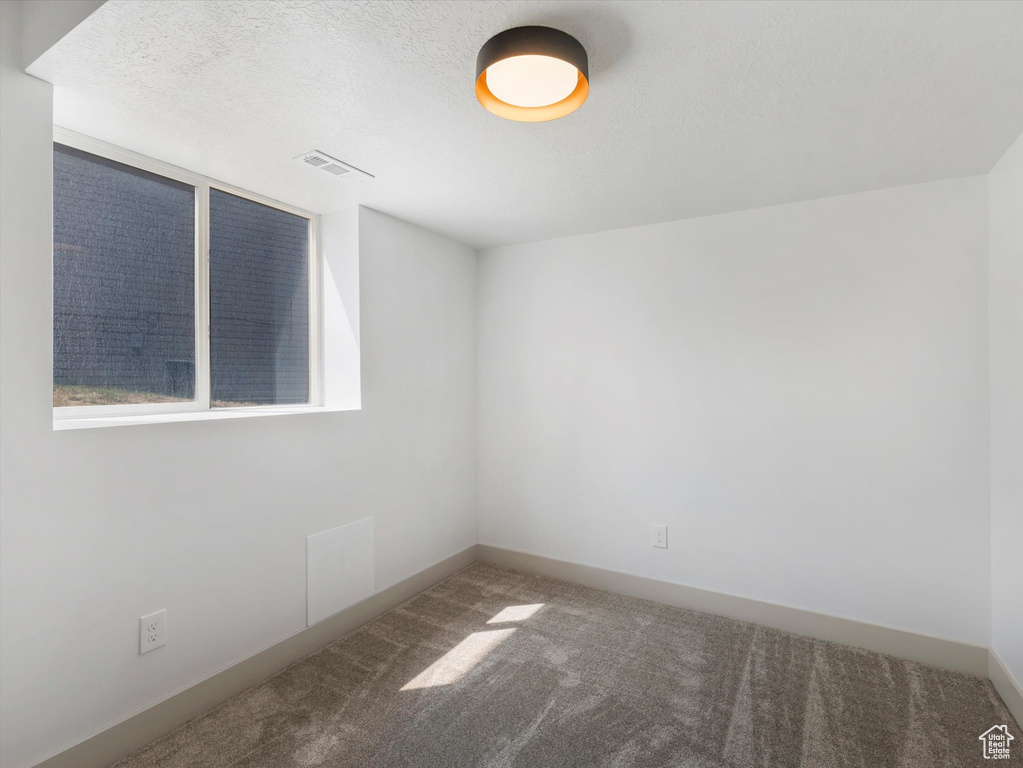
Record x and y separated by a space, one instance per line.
498 668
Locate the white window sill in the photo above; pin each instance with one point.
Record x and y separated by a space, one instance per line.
94 422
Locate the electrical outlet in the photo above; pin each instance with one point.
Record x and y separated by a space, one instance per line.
152 631
661 536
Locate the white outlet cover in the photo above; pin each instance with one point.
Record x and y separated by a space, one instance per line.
660 536
340 569
152 631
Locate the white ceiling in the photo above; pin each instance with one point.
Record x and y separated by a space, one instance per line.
695 108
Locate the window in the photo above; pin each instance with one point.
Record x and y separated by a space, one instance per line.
259 303
173 293
123 284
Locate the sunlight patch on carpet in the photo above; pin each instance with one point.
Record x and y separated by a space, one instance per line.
516 613
456 663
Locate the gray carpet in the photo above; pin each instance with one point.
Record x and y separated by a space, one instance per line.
498 668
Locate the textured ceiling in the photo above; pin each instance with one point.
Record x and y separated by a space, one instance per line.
695 108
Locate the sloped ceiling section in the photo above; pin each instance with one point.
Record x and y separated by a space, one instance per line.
696 108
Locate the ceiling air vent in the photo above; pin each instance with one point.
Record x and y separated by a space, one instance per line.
332 165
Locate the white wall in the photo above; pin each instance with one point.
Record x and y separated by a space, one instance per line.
1005 291
44 24
205 519
798 392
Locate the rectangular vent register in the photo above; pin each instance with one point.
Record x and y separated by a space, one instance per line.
324 162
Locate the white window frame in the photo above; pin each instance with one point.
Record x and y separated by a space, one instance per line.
203 185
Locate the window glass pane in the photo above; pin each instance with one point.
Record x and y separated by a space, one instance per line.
259 303
123 284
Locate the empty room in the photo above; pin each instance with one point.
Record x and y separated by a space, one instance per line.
511 383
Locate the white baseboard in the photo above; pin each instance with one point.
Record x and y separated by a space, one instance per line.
937 651
115 742
1006 685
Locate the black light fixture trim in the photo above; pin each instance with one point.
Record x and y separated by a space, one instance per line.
532 41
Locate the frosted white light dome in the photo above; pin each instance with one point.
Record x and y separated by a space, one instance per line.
532 81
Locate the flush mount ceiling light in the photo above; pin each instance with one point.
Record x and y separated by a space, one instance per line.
532 74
